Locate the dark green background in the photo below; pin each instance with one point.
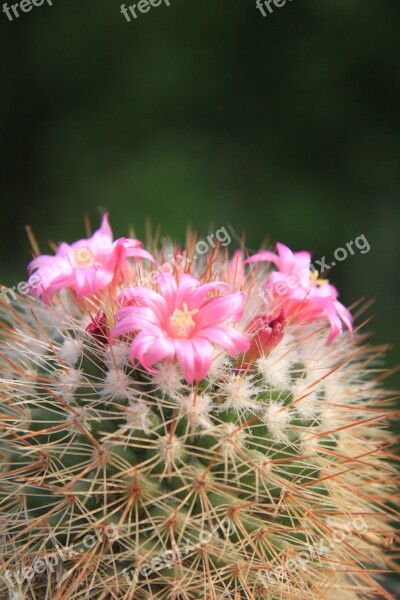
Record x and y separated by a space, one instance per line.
206 111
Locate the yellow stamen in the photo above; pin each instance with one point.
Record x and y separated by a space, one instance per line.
181 323
314 276
83 257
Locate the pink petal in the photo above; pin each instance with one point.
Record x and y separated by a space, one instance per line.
53 274
287 261
202 291
187 286
140 316
345 315
46 261
285 254
194 357
263 255
203 352
91 280
105 227
141 296
286 286
63 250
222 309
133 248
292 262
167 285
236 270
228 338
149 350
336 326
133 320
101 240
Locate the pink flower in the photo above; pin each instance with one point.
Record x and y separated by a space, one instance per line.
86 266
301 293
266 331
180 322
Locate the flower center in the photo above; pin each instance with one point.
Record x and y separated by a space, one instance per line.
83 257
181 323
315 280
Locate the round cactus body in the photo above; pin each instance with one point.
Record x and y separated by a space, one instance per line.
182 430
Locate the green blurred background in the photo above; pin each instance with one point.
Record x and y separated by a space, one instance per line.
206 111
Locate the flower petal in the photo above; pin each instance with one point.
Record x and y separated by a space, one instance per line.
201 292
228 338
167 285
194 357
150 349
141 296
221 309
91 280
263 255
186 289
133 248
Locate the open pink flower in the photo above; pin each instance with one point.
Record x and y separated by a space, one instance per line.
300 292
86 266
180 322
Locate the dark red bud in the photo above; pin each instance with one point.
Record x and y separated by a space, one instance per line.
266 332
99 329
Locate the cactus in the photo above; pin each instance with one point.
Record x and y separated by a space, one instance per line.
127 477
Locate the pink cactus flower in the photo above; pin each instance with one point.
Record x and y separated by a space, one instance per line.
180 322
86 266
301 293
